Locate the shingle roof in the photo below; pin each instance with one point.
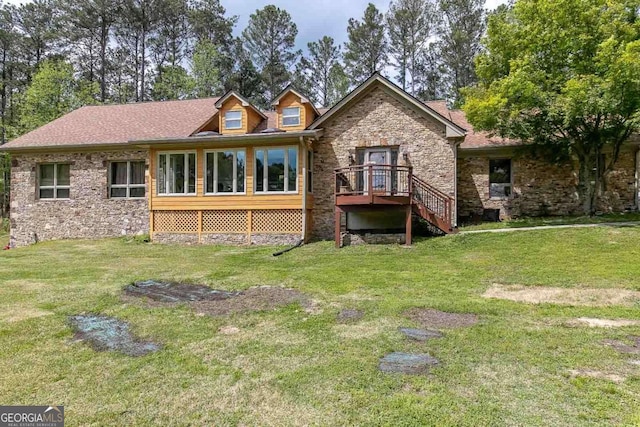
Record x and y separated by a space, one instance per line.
473 139
116 124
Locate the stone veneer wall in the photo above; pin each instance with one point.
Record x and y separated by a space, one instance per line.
227 238
379 119
540 188
89 213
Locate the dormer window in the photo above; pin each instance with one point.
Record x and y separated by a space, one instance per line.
233 119
291 116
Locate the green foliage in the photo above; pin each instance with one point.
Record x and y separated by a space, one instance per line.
316 68
206 78
54 92
270 38
563 75
366 50
172 82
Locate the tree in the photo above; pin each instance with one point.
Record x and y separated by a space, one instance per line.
338 85
174 82
39 23
410 24
244 78
463 24
316 69
270 38
366 48
430 75
54 92
206 78
562 77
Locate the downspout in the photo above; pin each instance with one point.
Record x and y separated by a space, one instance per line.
305 158
456 145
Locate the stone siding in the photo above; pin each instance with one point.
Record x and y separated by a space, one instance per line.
89 213
379 119
275 239
540 188
226 239
352 239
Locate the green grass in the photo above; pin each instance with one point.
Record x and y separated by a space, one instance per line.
553 220
289 367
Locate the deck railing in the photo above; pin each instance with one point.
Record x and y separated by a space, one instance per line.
432 199
359 180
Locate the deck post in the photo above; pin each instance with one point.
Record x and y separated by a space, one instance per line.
408 226
337 225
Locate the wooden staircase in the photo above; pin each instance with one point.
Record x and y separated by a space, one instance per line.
432 205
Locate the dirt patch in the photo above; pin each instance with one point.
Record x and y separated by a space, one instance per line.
420 334
407 363
430 318
631 347
349 315
596 374
176 292
549 295
602 323
253 299
104 333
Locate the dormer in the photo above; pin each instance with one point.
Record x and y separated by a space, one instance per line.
237 115
294 110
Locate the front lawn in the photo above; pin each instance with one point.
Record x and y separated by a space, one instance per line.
291 366
553 220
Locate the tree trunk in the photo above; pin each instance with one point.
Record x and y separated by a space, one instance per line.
587 182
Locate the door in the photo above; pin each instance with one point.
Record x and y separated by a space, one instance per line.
380 159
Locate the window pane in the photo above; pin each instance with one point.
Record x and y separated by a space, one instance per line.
500 171
118 192
233 119
176 173
192 173
137 173
225 171
136 192
46 194
291 116
63 174
119 173
275 169
293 169
209 173
240 162
162 186
63 193
46 175
259 177
499 190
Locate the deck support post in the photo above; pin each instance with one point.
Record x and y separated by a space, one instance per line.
337 220
408 226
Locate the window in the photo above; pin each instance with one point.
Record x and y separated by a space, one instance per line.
276 169
500 178
225 171
291 116
126 180
310 171
233 120
54 181
176 173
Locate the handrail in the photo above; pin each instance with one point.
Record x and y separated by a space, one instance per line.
434 200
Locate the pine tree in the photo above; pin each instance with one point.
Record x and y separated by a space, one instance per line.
316 69
462 27
244 77
206 78
366 49
410 25
270 39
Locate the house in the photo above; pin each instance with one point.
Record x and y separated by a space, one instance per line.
220 170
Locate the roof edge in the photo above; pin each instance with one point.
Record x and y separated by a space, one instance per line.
245 102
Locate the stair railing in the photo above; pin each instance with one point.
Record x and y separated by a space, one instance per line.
434 200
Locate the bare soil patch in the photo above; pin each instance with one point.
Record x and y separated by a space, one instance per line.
631 347
104 333
430 318
407 363
349 315
602 323
262 298
596 374
550 295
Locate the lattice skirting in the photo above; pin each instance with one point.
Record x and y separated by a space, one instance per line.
229 222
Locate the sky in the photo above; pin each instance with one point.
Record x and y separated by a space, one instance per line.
314 18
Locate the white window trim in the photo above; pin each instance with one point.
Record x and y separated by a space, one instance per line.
235 191
166 171
227 120
265 175
128 185
55 187
288 116
510 184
